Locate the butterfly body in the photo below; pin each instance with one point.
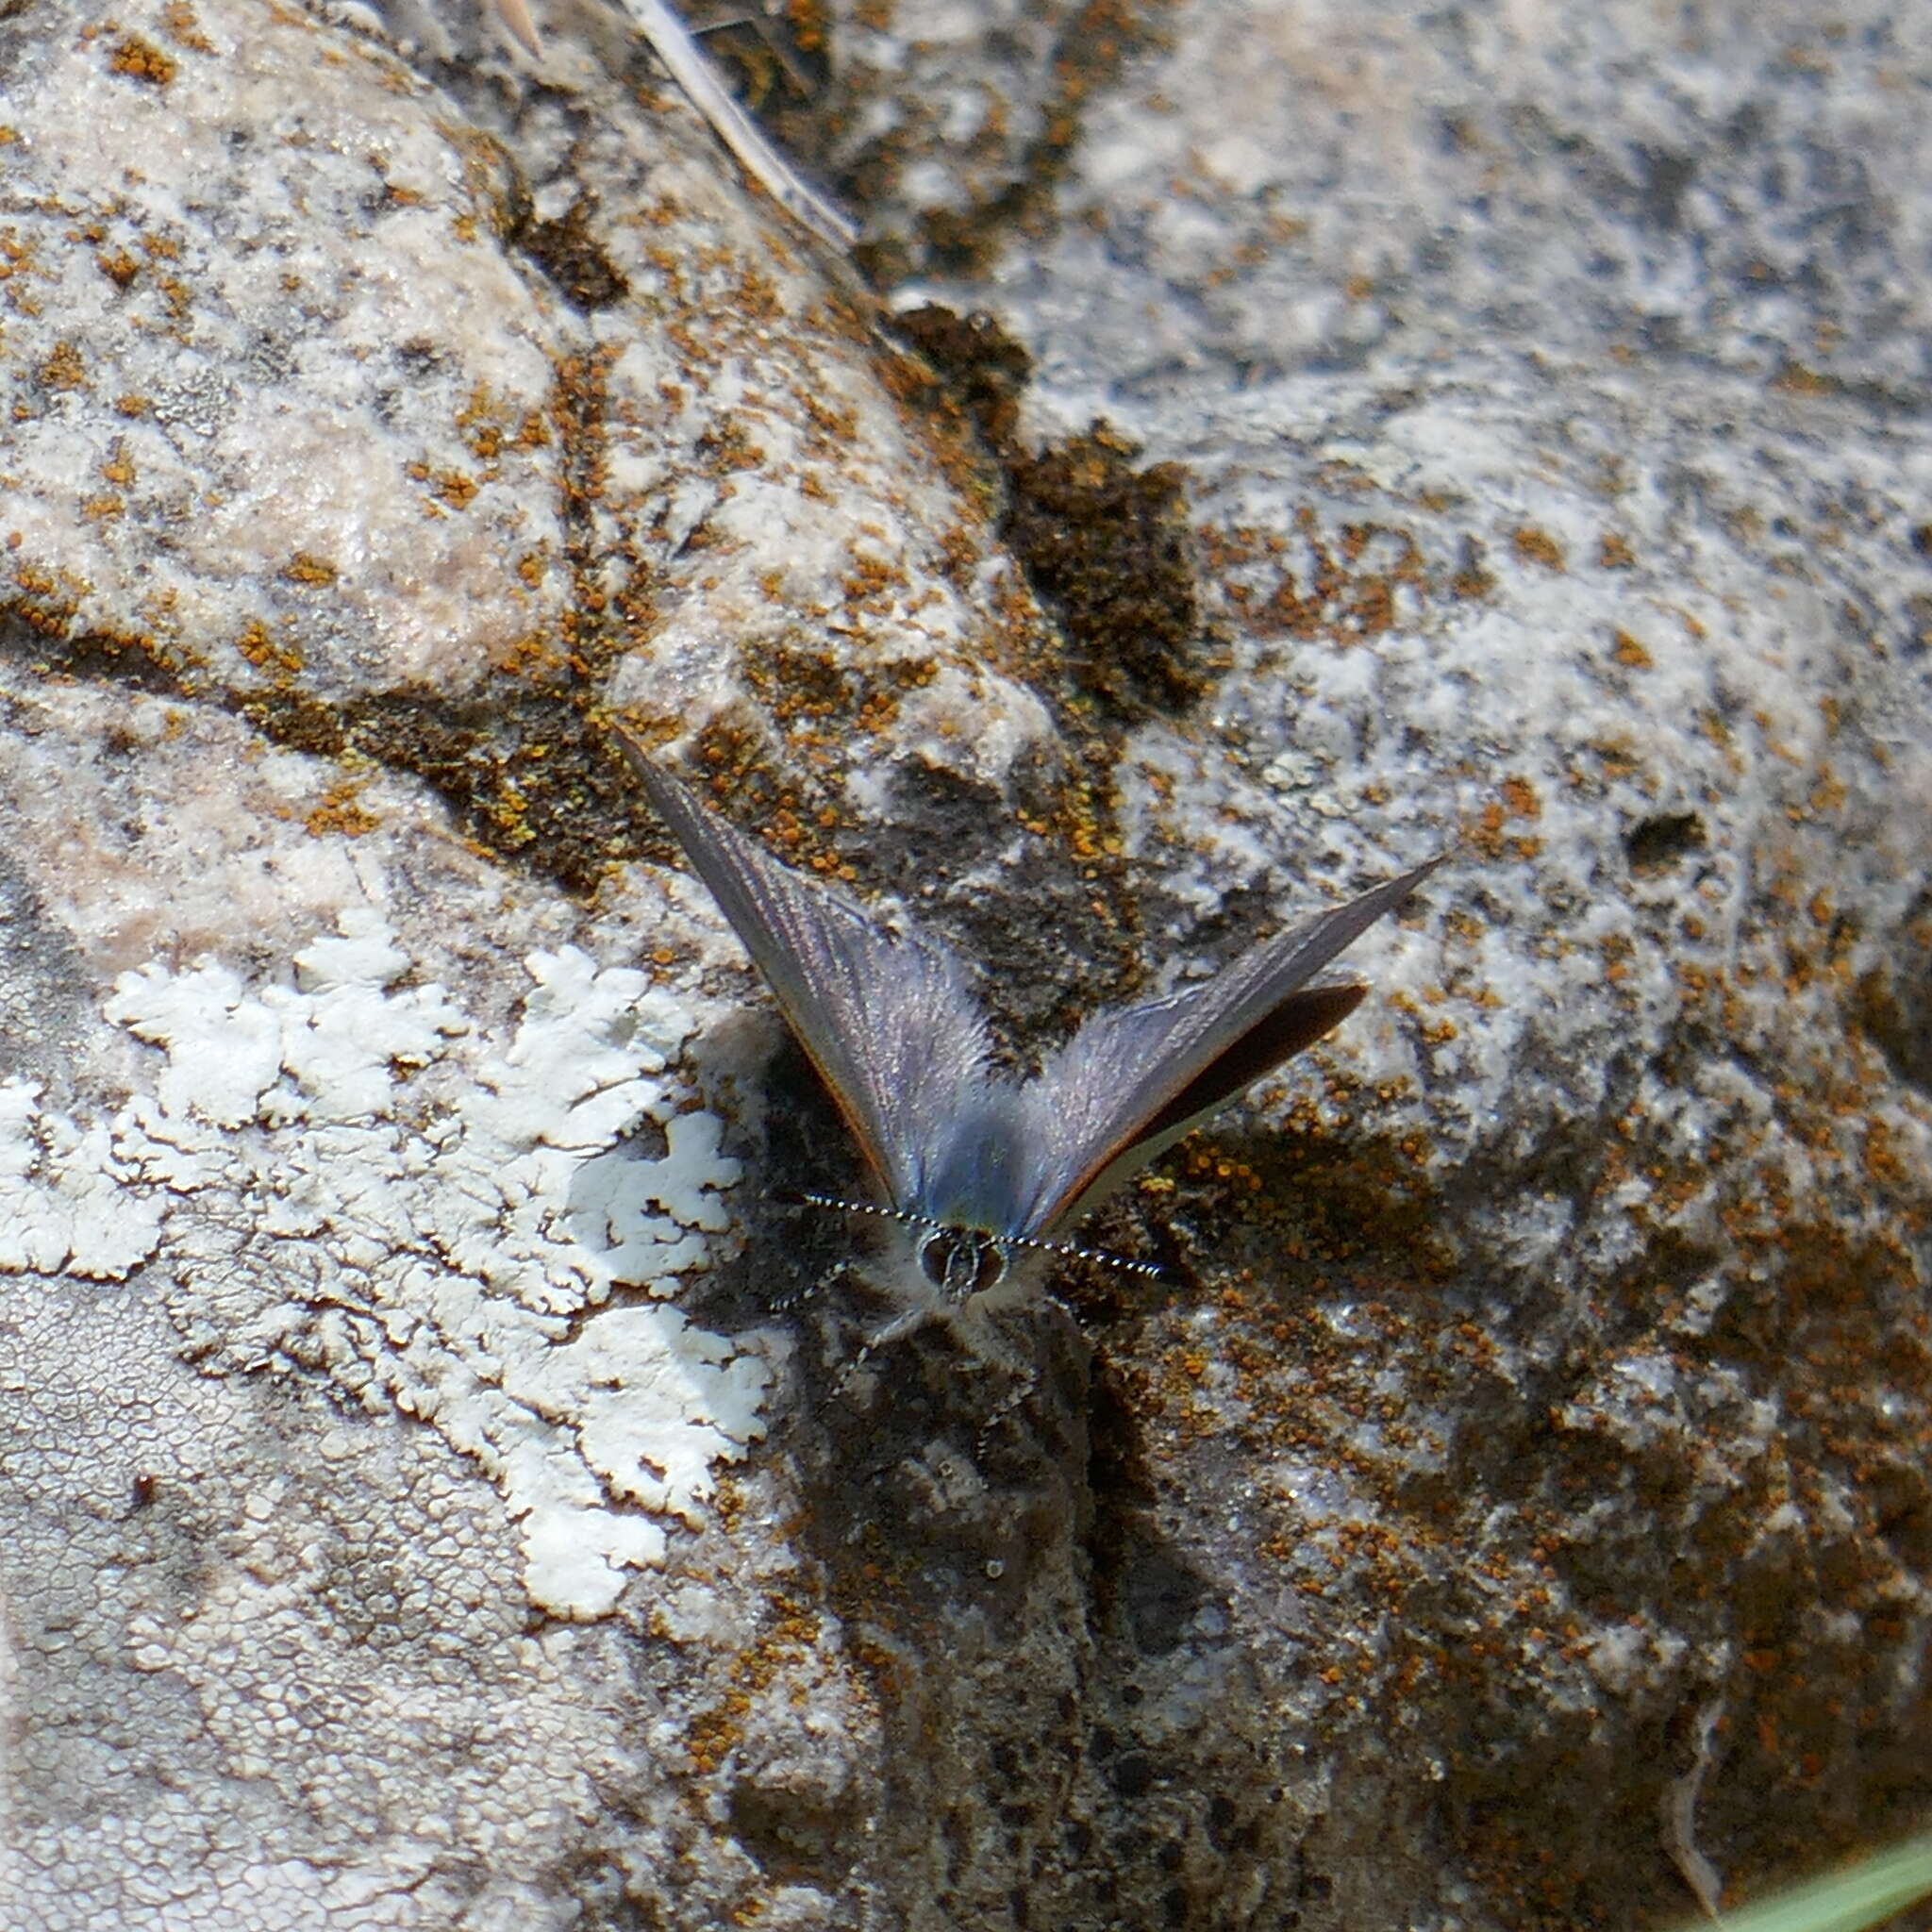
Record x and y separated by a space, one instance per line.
977 1178
982 1172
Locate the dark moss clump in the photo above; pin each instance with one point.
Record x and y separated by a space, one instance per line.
529 777
1105 547
983 366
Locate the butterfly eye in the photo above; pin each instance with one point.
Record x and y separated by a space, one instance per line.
962 1262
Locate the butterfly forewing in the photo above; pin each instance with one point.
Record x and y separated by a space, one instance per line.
886 1021
1131 1082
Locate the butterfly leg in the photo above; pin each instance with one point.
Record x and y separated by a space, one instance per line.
856 1366
797 1297
794 1299
910 1322
1014 1399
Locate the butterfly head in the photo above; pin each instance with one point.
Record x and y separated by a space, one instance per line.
962 1262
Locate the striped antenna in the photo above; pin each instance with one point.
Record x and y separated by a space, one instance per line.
801 1196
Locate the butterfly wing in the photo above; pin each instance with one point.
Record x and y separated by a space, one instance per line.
1132 1081
888 1021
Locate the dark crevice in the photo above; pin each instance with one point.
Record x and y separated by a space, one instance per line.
574 261
1654 842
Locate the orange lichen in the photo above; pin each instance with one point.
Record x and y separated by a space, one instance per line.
1536 546
306 568
184 28
142 60
339 812
63 369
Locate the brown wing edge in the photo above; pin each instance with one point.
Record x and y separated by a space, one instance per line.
1296 1023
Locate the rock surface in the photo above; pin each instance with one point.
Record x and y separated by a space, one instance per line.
1391 435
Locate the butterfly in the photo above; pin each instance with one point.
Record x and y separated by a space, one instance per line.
986 1170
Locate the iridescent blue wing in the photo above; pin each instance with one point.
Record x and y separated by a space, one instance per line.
1133 1081
888 1021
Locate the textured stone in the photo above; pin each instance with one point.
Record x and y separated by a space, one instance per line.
1513 1509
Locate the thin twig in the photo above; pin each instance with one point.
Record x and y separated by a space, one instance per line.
671 42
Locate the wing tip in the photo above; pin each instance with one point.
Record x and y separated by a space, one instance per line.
675 801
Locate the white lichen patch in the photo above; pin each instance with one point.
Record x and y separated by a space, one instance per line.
64 1207
345 1174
